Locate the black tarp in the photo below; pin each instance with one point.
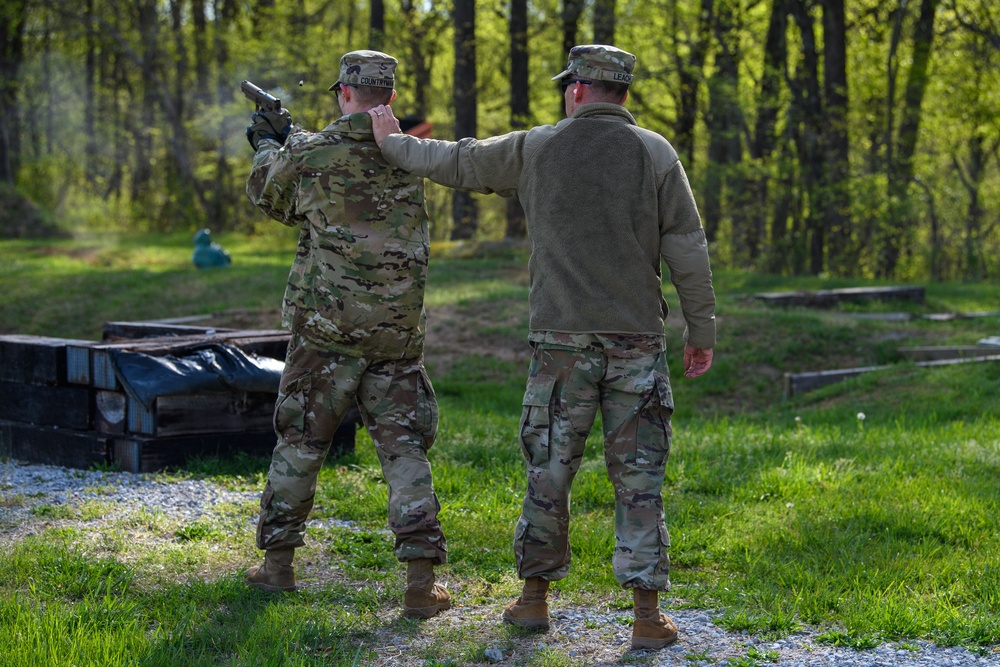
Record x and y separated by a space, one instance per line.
212 368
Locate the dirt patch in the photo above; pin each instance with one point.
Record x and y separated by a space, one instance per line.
454 333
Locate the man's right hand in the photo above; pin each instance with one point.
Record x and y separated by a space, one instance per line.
697 360
269 125
383 123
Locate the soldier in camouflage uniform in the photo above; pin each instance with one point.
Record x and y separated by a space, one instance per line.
355 305
606 201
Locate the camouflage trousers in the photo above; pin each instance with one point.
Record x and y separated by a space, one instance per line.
399 409
564 391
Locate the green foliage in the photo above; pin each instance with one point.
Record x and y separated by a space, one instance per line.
754 658
151 136
20 217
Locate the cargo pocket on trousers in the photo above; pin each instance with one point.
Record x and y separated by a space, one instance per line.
290 408
265 508
426 410
535 419
653 431
520 535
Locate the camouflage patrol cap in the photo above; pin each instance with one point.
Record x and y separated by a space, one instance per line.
599 62
367 68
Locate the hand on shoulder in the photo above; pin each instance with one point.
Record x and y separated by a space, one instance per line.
384 122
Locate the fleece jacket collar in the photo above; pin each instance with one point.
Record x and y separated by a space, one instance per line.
604 109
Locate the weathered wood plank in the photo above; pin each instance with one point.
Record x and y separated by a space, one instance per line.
53 446
930 353
948 317
202 413
274 346
109 412
163 345
799 383
142 454
831 297
117 414
43 405
133 330
34 359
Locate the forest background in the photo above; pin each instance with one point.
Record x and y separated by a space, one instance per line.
827 137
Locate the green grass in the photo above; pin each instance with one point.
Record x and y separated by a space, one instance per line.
781 513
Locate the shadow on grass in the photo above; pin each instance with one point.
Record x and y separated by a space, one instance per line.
227 622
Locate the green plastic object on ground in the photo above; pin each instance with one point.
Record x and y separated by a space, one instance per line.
207 253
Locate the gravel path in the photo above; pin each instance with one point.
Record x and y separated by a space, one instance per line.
589 636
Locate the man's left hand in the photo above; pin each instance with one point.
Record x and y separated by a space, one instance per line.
273 125
383 123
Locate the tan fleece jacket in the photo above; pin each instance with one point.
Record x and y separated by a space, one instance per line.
606 200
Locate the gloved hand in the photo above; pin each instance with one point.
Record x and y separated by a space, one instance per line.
269 125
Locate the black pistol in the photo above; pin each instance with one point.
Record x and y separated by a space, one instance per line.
264 100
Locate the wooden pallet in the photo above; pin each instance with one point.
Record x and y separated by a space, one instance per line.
137 454
61 404
53 446
800 383
932 353
831 297
117 413
35 359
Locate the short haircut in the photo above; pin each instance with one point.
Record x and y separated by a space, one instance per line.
372 96
609 91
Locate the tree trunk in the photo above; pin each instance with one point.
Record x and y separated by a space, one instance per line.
421 50
836 145
376 26
762 144
12 19
142 174
724 120
971 174
90 93
223 196
181 207
901 169
464 212
690 71
571 12
520 106
782 239
201 54
604 21
808 100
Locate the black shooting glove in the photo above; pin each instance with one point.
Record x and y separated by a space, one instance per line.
269 125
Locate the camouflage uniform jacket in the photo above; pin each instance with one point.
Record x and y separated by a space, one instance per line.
357 283
597 239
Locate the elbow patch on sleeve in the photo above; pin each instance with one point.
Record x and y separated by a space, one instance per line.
678 208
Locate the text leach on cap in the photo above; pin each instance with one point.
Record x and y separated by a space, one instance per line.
599 62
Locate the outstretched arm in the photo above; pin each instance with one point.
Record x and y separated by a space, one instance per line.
487 166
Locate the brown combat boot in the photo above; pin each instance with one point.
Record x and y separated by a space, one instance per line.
423 598
530 611
652 628
276 574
